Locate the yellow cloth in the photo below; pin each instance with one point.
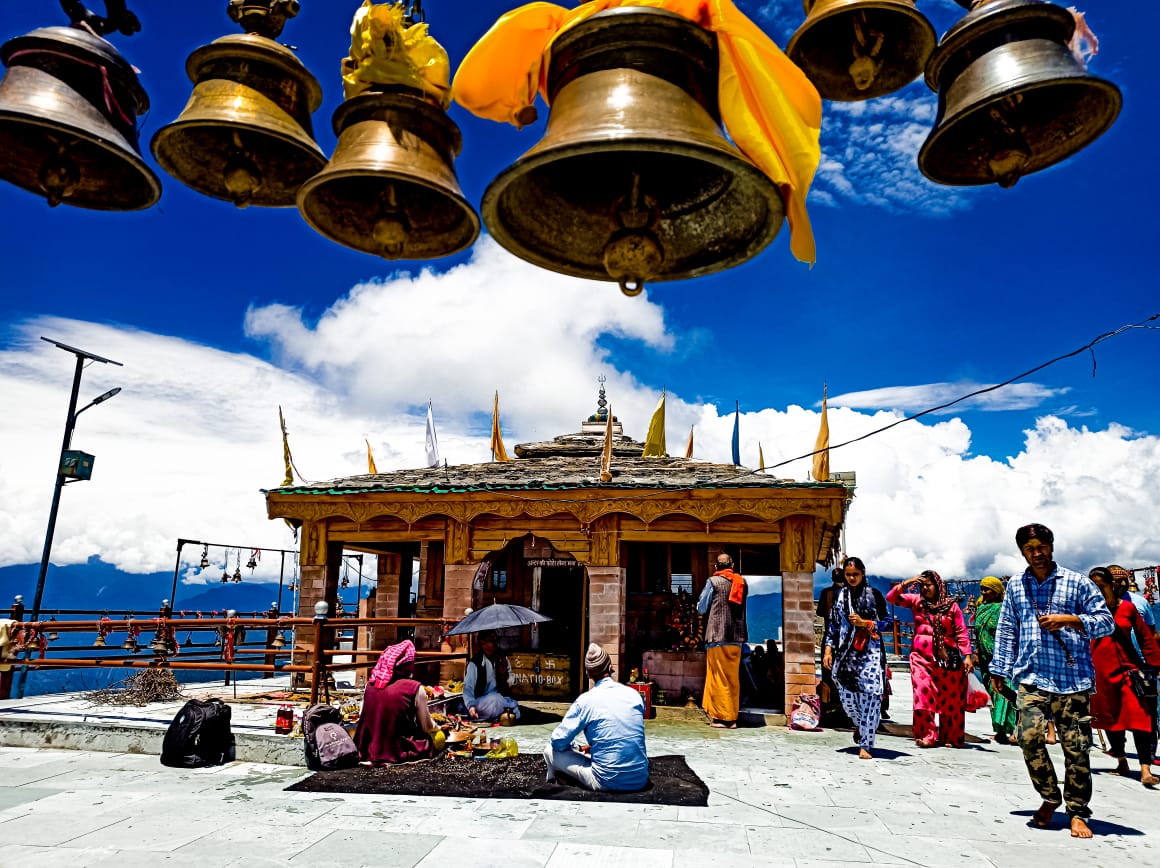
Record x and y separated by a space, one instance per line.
994 584
768 106
384 51
722 699
654 441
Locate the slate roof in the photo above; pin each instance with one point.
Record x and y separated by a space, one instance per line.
554 474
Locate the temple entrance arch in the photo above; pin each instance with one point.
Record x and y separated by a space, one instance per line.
546 658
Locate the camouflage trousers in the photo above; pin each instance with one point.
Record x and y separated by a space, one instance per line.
1073 725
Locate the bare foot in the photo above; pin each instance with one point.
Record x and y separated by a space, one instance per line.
865 754
1051 739
1079 829
1121 768
1042 818
1147 778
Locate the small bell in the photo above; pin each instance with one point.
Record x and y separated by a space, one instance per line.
237 575
158 645
204 565
279 641
861 49
1013 98
52 635
99 642
251 564
130 644
225 576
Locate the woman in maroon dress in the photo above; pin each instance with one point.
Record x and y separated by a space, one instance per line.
1115 707
395 725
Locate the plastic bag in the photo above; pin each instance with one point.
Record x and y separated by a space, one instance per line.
806 712
977 695
507 748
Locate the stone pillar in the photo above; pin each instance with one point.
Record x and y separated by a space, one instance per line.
457 579
797 634
606 598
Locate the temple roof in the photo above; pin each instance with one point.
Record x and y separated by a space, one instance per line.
554 474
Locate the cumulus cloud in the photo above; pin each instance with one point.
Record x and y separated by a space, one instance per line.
184 450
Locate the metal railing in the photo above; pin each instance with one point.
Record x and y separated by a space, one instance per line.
36 644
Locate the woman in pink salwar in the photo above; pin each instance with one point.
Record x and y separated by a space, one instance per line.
940 659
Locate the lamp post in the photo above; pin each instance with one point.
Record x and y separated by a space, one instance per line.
61 478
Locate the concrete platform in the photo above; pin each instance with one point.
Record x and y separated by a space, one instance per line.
777 798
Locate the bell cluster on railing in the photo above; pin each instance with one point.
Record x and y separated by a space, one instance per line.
633 179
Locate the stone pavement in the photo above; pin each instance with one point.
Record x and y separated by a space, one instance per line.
778 798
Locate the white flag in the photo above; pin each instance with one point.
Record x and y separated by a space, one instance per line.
432 440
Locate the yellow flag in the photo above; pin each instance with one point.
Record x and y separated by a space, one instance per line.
606 456
822 446
498 453
289 462
654 443
760 458
689 448
370 459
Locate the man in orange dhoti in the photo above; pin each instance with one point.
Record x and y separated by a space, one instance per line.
723 601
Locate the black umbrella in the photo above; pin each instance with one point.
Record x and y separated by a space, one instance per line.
496 617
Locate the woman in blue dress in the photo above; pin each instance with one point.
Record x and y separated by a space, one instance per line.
854 652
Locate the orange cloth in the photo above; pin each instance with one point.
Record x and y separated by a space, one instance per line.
737 592
722 699
770 109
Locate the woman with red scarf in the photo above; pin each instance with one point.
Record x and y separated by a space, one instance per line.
940 659
395 725
1120 673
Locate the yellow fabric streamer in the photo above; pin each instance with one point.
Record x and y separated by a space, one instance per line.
768 106
383 51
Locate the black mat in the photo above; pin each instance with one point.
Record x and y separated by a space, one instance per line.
671 781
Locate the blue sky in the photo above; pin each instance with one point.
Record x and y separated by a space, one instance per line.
920 293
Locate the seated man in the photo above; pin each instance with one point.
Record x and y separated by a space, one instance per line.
485 683
611 716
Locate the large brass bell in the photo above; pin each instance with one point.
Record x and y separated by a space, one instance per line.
1013 99
245 135
390 188
861 49
633 180
68 121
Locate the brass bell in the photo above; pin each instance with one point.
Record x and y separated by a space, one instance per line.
245 135
158 645
633 180
130 644
1013 99
279 641
68 122
390 188
99 642
861 49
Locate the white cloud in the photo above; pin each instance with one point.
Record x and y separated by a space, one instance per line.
1017 396
185 448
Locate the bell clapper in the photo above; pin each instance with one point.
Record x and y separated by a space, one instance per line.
1008 162
392 228
241 175
633 253
867 46
59 176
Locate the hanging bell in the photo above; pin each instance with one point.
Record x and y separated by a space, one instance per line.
861 49
633 180
158 646
99 642
279 641
251 564
52 635
390 188
68 122
225 576
237 575
1013 99
245 135
130 644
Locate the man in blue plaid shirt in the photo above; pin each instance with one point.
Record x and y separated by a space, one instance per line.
1049 617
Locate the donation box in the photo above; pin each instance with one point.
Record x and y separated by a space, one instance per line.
535 675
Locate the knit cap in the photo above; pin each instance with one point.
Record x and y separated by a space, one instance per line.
596 662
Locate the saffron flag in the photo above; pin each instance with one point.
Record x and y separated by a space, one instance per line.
689 447
760 458
737 434
498 453
289 462
370 459
654 443
606 455
822 445
432 440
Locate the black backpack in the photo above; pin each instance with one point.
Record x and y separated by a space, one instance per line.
199 736
327 744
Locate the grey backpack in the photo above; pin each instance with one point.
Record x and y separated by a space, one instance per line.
327 744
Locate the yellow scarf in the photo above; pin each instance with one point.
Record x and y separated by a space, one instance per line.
770 109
